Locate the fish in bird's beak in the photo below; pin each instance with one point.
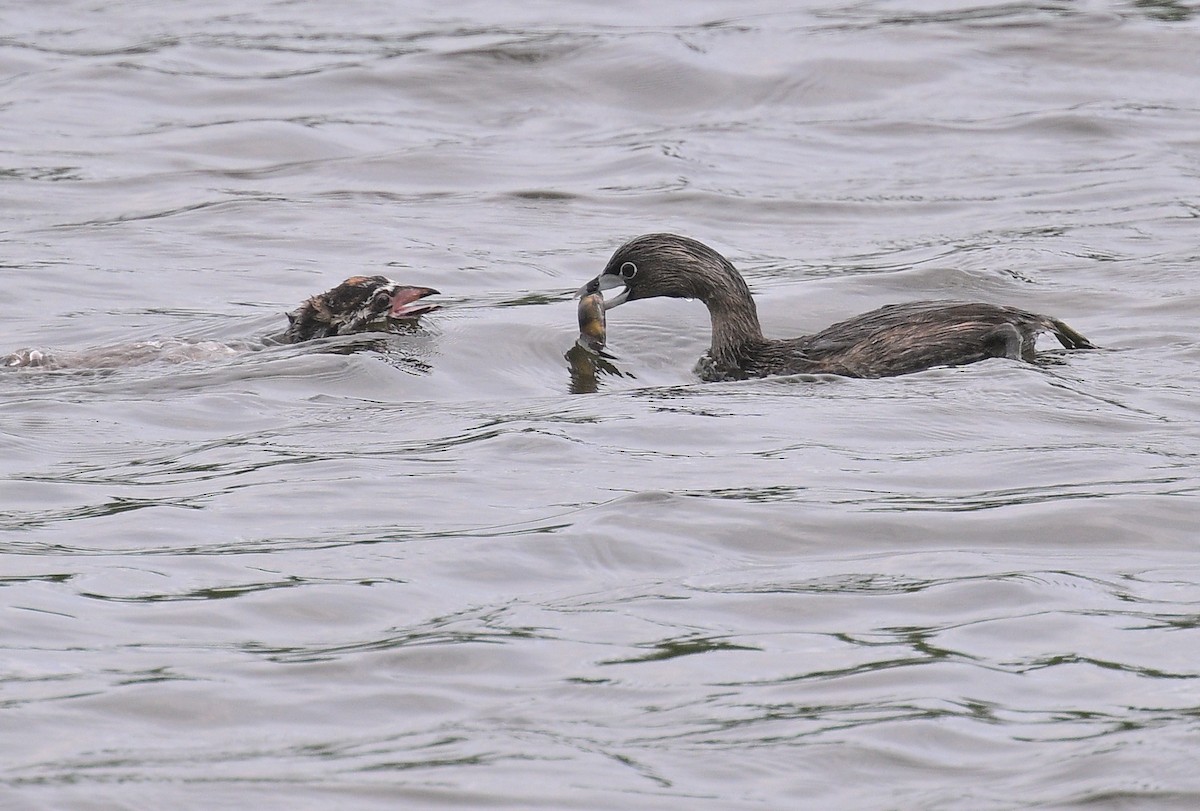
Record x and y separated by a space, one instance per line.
405 302
592 332
605 281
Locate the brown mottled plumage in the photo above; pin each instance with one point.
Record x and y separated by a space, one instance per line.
893 340
353 305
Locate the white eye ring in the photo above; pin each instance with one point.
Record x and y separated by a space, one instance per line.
628 270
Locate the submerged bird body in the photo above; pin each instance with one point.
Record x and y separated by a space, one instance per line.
893 340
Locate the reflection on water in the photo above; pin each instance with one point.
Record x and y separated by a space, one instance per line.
412 569
588 366
1166 10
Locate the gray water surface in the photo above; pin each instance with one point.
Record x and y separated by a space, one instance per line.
425 574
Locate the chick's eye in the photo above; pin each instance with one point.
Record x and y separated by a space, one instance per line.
628 270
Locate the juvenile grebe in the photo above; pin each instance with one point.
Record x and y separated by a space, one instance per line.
353 306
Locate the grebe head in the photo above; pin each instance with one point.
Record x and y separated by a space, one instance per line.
354 305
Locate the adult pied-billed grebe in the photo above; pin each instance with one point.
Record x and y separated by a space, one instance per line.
893 340
355 305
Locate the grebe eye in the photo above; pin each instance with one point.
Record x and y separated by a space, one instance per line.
628 270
